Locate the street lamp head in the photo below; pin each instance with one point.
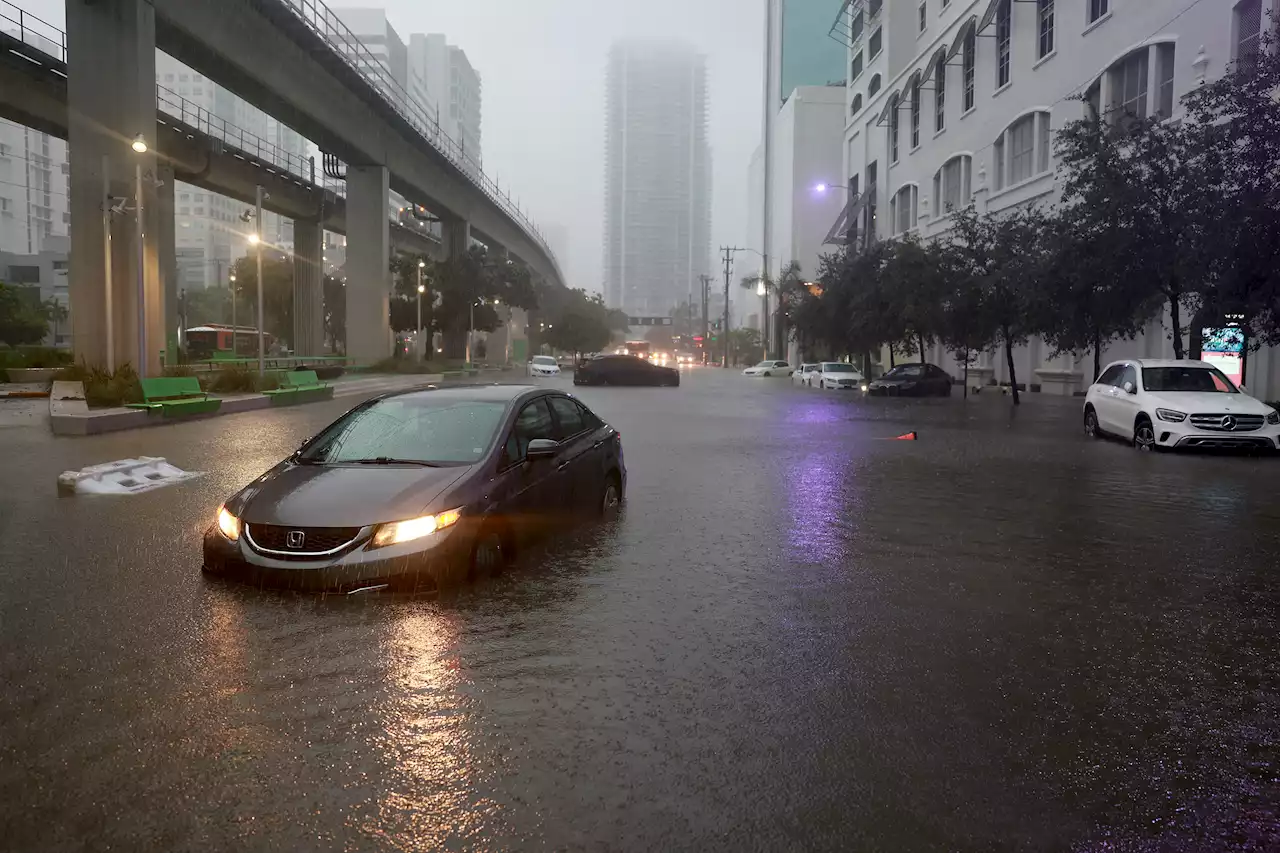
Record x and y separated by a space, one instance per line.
139 144
422 289
254 239
820 188
760 288
233 276
421 264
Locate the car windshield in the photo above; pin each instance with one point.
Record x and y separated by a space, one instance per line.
1199 379
544 359
765 364
838 367
409 429
906 371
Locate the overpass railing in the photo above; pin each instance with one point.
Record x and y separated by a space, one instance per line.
33 31
326 24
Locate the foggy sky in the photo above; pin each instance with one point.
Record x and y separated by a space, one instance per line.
542 63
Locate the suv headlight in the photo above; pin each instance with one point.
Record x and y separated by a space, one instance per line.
1171 415
1273 417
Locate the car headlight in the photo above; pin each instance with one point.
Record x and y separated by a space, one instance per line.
395 532
1171 415
1273 417
228 524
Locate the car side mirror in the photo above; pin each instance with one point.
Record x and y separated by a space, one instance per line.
1130 388
542 448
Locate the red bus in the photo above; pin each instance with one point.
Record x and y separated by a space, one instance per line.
213 340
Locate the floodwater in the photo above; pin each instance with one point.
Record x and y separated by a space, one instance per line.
800 635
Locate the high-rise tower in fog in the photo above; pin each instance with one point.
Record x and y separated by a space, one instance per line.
657 177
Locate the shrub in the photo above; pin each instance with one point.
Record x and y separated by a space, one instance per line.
179 370
240 379
407 366
104 389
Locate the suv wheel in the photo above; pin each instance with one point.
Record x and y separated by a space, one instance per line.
1144 434
1091 429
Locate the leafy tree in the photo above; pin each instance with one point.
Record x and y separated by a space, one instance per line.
476 281
997 257
782 288
277 295
915 280
582 325
22 318
56 313
335 313
744 345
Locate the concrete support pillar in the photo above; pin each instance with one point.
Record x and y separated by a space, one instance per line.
167 249
368 260
456 236
111 92
308 288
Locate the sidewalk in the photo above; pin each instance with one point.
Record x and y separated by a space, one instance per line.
69 414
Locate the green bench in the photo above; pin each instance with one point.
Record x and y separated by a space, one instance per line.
175 396
300 386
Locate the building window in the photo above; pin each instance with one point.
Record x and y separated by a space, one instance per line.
874 85
915 113
893 129
855 67
1022 149
874 7
1129 83
855 28
1098 8
902 209
1164 73
856 106
924 16
969 67
951 185
1248 34
876 39
946 3
869 210
1044 20
1004 42
940 94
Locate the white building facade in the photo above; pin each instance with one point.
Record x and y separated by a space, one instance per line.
33 189
807 174
956 102
452 89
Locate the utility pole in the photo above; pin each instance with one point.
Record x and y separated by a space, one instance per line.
257 223
728 266
706 284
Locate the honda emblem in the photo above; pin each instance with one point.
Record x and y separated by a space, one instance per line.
295 539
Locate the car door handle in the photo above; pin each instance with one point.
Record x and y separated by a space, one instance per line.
598 444
563 465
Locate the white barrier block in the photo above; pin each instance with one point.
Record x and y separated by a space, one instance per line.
123 477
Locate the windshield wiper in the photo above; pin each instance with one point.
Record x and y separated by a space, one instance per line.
388 460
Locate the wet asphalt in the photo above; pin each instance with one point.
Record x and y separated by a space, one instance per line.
798 636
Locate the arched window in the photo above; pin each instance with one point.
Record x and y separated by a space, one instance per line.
856 106
902 209
1135 87
952 184
874 85
1022 151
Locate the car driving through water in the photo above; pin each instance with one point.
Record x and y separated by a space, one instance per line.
420 489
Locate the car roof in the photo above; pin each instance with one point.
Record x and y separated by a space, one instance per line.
1160 362
474 391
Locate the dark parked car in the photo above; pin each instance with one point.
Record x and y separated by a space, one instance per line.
420 489
912 380
624 370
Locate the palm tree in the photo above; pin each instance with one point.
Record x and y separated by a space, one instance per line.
56 313
784 287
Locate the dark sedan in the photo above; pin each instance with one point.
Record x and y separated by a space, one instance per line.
912 380
624 370
421 489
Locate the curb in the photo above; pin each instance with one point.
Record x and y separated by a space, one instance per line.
24 395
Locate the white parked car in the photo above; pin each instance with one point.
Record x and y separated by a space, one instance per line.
1159 404
839 375
769 368
802 374
544 365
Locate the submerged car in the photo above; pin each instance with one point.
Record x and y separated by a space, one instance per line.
1159 404
544 365
769 367
912 380
624 370
839 375
419 489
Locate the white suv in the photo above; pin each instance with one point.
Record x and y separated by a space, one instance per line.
1160 404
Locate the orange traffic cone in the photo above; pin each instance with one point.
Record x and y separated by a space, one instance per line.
911 436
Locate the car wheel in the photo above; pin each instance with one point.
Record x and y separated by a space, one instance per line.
766 373
1144 434
822 383
1091 429
487 555
611 500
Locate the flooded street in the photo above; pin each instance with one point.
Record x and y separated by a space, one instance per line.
798 636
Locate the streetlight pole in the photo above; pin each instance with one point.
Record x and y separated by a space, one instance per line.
257 224
471 331
106 269
235 350
142 266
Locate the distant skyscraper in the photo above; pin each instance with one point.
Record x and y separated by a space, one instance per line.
807 56
657 176
453 88
33 189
